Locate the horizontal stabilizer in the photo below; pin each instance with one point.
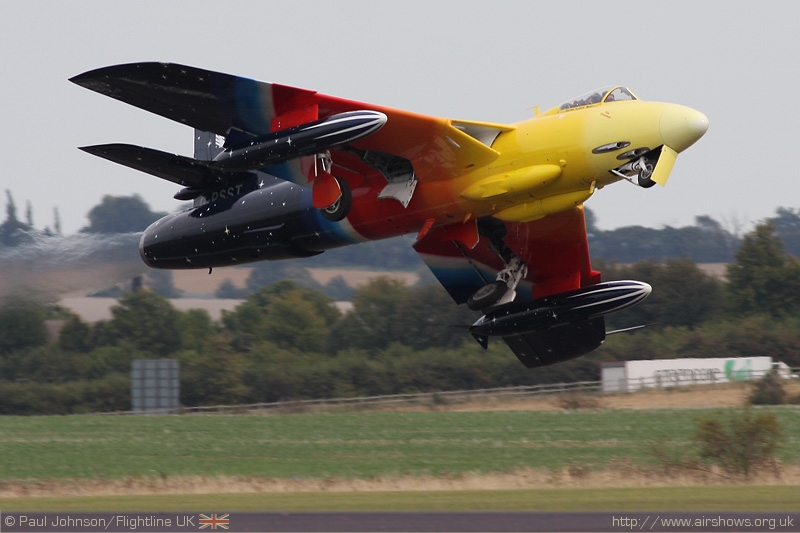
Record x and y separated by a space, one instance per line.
171 167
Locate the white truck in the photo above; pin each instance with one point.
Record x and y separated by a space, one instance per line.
628 376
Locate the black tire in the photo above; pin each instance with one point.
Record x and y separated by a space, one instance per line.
340 207
487 295
644 176
646 183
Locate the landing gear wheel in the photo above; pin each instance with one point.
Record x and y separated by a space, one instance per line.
341 207
487 295
644 181
645 172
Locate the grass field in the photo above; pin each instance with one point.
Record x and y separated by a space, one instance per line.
343 461
348 445
707 499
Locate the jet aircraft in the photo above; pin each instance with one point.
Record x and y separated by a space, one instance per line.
281 172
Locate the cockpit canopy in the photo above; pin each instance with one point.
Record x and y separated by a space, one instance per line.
598 96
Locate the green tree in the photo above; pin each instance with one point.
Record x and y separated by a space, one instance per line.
683 295
591 221
106 360
764 278
12 231
705 242
285 313
427 317
21 325
196 328
741 446
45 363
213 376
273 374
385 311
370 324
768 390
787 227
389 254
75 335
338 289
161 282
147 322
292 320
120 214
266 273
227 290
56 221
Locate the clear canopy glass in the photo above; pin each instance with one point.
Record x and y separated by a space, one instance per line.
606 94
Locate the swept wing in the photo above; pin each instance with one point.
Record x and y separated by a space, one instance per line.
239 108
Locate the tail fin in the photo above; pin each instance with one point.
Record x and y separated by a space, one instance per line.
207 145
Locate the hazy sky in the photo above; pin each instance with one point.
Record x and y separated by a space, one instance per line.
458 59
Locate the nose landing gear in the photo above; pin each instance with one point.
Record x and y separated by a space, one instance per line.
644 169
640 166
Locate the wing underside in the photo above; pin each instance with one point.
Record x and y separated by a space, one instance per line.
555 248
556 251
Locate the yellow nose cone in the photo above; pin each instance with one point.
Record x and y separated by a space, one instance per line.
682 126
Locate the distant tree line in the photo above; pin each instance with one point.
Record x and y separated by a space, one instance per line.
286 341
707 241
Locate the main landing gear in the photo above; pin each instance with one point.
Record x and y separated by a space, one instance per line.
331 195
341 207
503 289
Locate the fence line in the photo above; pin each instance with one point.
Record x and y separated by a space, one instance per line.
452 396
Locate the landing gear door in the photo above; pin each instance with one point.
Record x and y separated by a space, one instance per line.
664 166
